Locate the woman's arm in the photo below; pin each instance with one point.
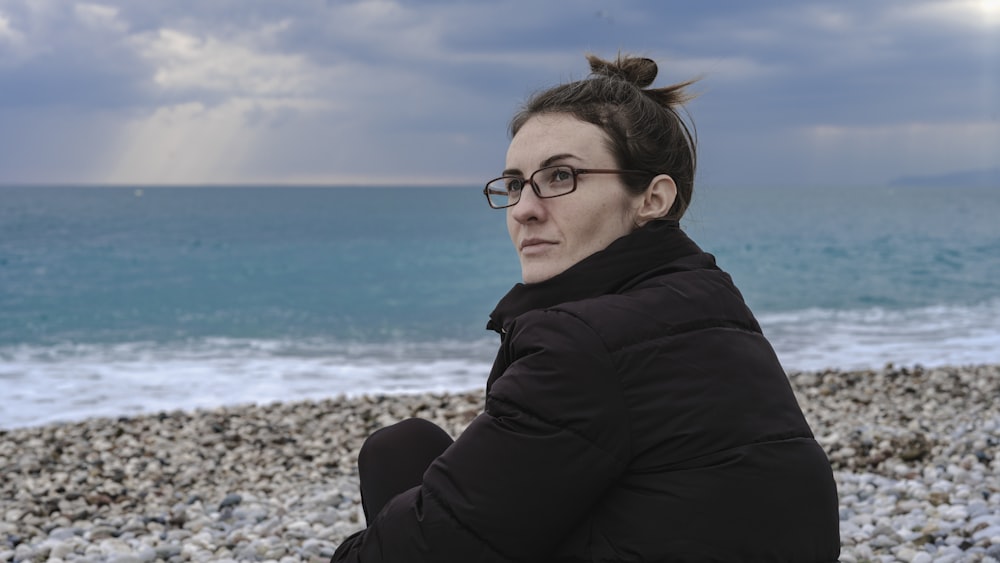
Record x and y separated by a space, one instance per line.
525 473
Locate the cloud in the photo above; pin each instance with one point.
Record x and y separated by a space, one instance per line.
8 34
918 147
183 141
235 111
184 62
60 146
832 155
399 90
223 97
12 42
962 14
100 17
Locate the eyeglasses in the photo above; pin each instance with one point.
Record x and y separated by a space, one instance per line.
548 182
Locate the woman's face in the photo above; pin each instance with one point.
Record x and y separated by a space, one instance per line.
552 234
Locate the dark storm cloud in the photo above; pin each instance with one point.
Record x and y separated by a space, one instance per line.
242 90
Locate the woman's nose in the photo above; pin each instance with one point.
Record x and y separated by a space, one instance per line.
529 207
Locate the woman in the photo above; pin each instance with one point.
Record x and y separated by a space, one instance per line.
635 412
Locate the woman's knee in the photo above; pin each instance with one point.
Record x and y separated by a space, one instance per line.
403 438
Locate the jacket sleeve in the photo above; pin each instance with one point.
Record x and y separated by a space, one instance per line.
525 473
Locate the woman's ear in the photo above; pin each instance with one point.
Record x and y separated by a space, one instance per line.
657 200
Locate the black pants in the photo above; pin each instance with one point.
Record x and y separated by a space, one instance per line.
393 459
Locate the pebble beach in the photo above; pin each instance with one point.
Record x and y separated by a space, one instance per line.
915 452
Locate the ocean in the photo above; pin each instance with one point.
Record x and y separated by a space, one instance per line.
116 301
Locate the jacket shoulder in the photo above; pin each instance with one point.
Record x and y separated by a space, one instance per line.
680 298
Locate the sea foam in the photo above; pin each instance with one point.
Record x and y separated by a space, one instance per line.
72 381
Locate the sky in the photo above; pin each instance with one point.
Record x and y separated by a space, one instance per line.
420 91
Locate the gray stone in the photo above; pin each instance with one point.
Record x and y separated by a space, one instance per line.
60 550
883 541
923 508
65 533
250 514
168 551
988 532
230 500
101 532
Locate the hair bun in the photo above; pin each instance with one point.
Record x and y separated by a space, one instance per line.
637 70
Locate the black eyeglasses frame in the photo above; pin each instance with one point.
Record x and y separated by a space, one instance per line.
534 186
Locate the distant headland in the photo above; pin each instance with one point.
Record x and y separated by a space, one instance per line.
985 178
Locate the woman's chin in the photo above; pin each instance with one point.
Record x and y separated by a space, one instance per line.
537 273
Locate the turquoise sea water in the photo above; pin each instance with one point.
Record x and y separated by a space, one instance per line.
121 300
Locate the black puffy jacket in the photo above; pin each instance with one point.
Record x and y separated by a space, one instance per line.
635 412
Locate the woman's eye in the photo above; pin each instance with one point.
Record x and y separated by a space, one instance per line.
514 184
561 175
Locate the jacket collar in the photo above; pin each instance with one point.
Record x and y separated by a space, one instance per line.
656 244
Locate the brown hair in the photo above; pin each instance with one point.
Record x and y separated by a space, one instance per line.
642 124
